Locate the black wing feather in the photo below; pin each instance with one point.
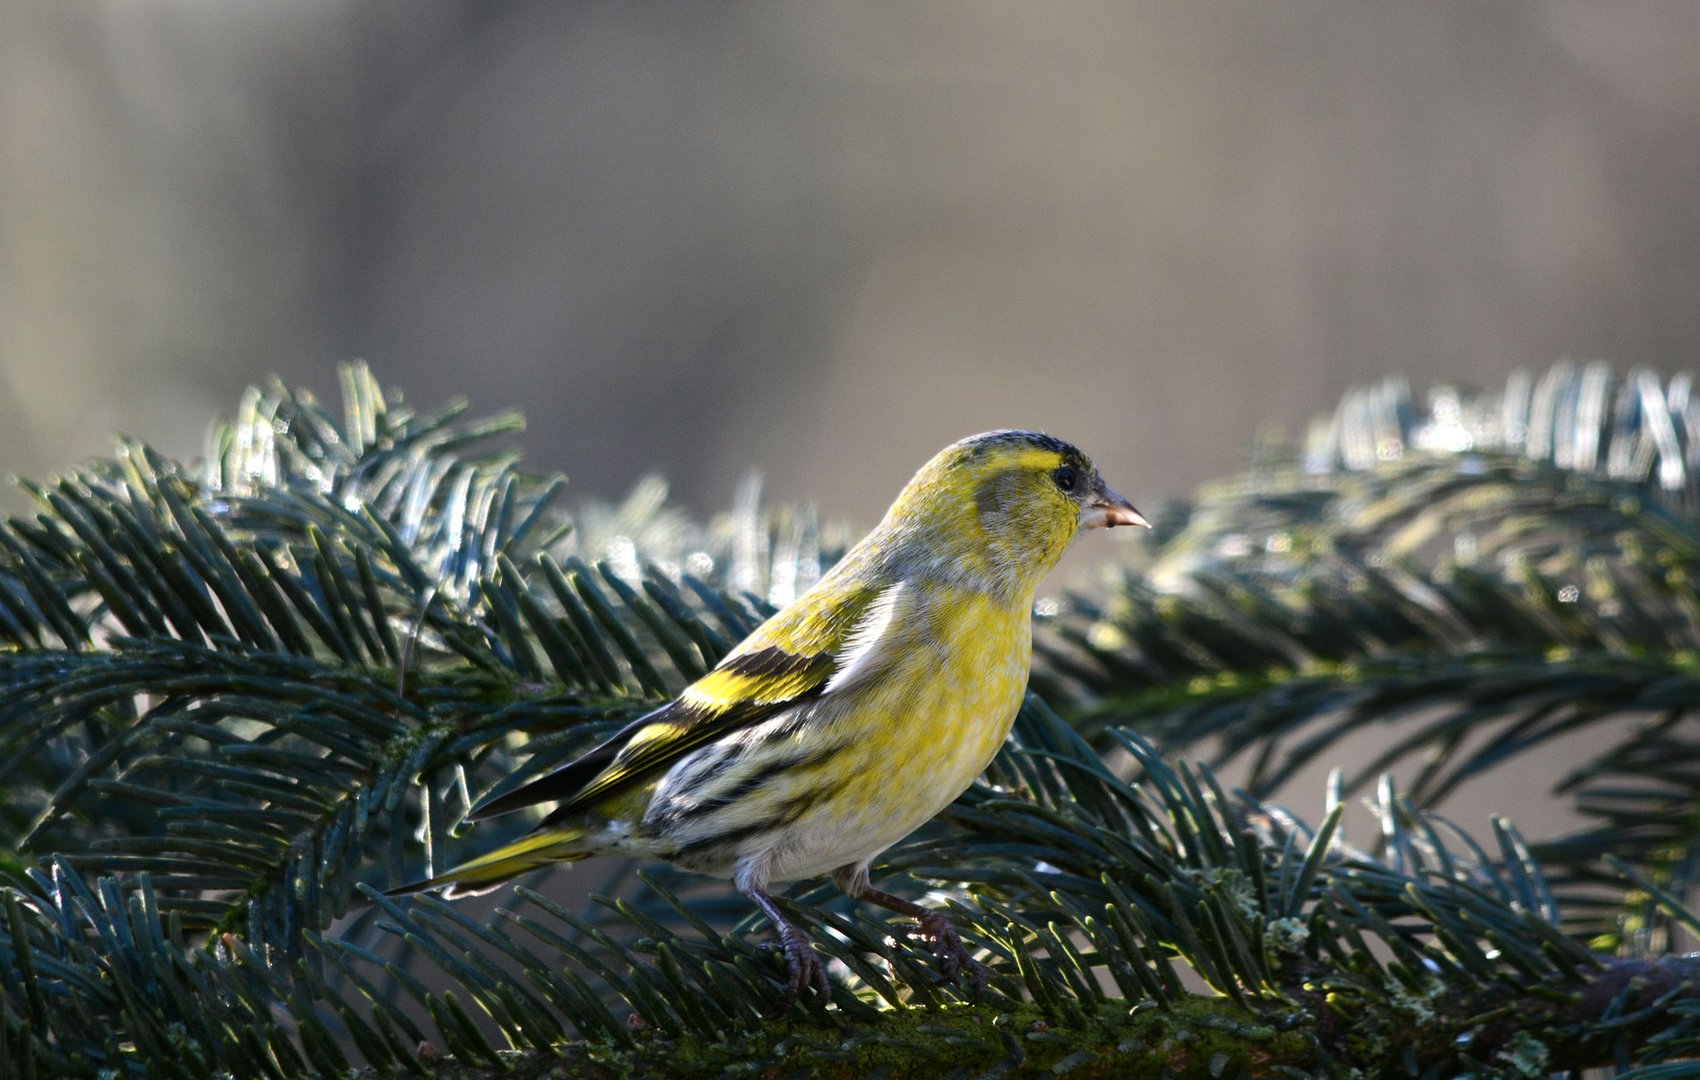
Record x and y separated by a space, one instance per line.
569 779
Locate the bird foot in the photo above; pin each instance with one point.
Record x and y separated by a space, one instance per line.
804 966
940 935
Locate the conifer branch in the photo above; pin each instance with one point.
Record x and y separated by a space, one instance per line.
243 696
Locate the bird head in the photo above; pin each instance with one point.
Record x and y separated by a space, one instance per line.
1005 504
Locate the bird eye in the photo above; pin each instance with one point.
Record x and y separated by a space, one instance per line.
1066 478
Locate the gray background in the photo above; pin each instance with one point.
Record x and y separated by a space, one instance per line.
823 239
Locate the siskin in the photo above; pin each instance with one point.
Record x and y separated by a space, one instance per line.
848 719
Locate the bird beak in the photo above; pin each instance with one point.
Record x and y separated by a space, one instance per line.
1106 510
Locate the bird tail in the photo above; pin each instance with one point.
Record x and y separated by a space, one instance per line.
488 871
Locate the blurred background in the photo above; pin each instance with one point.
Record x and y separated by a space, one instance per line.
822 240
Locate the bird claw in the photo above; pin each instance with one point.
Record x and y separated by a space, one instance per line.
941 936
804 967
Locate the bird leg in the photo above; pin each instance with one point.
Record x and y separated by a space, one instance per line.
935 928
800 958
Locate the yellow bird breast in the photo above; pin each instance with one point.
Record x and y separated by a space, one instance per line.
914 737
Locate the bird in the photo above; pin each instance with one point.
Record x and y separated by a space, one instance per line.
849 718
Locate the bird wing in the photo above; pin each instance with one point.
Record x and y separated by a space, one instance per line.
806 650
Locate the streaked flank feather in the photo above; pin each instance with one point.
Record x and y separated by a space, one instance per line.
848 719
